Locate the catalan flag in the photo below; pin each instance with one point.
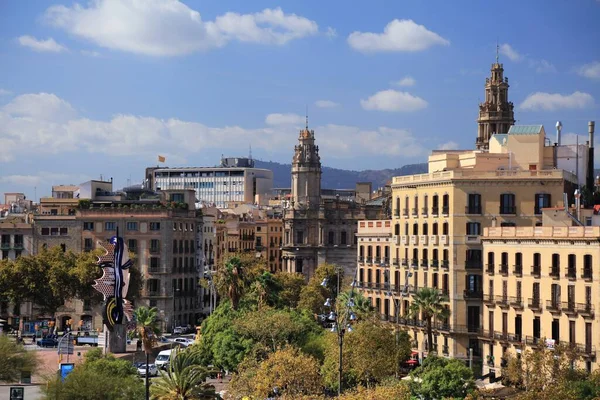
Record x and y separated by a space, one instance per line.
162 159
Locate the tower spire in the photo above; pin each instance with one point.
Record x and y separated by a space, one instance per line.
497 50
307 117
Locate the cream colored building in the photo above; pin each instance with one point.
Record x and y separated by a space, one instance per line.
541 288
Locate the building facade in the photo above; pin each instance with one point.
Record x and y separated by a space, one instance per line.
541 288
236 181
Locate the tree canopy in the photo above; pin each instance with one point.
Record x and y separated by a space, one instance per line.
14 360
438 378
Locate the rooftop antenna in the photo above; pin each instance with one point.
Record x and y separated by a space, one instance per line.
250 152
307 117
497 50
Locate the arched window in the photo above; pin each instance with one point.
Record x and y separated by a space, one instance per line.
415 229
434 229
445 228
397 229
397 210
331 237
425 230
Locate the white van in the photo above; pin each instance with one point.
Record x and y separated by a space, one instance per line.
163 358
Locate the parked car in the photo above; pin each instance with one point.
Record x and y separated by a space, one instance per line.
87 340
178 330
184 341
152 370
163 358
48 341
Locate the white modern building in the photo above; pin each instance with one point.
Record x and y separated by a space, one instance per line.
234 181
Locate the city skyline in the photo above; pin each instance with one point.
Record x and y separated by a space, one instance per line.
82 95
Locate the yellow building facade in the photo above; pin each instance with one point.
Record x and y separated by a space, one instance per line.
541 288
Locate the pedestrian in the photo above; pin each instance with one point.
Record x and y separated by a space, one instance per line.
138 345
220 377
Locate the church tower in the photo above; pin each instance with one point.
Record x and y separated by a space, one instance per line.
306 171
496 114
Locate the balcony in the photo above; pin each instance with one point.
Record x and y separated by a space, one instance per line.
445 211
433 239
553 306
445 264
385 262
571 274
533 341
473 210
414 263
424 264
536 271
587 274
414 212
361 260
474 264
369 260
518 270
396 213
435 211
423 239
569 307
502 301
404 240
515 338
395 262
504 269
5 246
473 294
405 262
534 304
444 240
414 240
473 239
516 302
585 310
445 350
18 246
446 293
501 336
405 213
424 211
434 264
157 270
508 210
489 269
377 260
554 272
154 250
489 299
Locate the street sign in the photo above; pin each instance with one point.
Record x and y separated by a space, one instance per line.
65 344
17 393
65 369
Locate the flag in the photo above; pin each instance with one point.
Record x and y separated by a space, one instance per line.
161 159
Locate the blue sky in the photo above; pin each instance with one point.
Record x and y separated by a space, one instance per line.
103 87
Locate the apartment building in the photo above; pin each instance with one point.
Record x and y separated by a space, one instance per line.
235 181
541 289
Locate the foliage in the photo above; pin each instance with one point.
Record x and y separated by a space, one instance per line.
429 302
265 289
291 285
146 326
230 280
313 295
289 370
439 377
49 278
362 306
14 360
98 378
184 380
370 354
393 390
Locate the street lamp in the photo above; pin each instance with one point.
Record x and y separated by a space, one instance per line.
341 322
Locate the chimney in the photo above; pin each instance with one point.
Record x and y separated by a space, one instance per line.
590 173
558 129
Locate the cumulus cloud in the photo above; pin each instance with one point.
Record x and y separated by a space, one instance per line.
331 32
555 101
326 104
4 92
591 70
44 46
284 119
395 101
406 81
542 66
398 35
507 50
30 125
451 145
171 28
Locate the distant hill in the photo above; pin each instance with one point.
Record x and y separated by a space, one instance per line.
334 178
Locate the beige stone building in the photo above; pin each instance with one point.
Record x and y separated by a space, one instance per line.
541 289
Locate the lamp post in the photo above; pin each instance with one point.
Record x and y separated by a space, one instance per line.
341 319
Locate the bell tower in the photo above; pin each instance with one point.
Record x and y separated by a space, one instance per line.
306 171
496 113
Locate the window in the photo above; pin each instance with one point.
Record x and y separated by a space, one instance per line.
397 229
507 204
154 245
88 244
88 226
587 266
154 263
473 228
300 240
45 231
110 226
132 226
542 200
132 245
474 203
331 237
571 266
155 226
344 238
415 229
425 229
445 228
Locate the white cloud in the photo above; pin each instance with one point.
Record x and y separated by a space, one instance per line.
555 101
392 100
406 81
34 129
326 104
171 28
508 51
542 66
4 92
90 53
331 32
398 35
49 45
44 178
284 119
451 145
591 70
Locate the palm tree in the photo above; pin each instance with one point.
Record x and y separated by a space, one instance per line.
184 380
429 303
362 306
230 280
146 328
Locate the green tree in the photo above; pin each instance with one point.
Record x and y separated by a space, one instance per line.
98 378
429 302
388 390
146 328
291 285
184 380
265 289
314 294
439 378
15 359
362 306
230 280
